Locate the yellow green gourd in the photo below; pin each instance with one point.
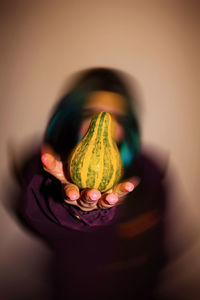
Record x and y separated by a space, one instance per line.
95 162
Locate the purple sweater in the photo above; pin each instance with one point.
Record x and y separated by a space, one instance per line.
107 254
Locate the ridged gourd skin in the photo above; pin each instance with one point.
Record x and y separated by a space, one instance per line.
95 162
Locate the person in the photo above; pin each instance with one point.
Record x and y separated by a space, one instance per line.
109 244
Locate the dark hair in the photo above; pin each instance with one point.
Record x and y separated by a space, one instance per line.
62 129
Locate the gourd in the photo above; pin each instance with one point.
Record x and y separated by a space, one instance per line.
95 162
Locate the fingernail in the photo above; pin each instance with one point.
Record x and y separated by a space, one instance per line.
46 159
129 187
111 199
73 195
94 195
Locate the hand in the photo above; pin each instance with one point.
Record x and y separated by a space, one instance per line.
87 199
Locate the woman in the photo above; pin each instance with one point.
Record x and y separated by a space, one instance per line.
105 244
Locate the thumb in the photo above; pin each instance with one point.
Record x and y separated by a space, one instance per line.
53 166
126 187
48 161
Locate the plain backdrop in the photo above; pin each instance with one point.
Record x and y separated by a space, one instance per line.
43 43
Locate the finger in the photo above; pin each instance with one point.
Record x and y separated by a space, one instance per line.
111 199
71 191
89 198
123 188
53 166
116 195
91 195
48 161
108 200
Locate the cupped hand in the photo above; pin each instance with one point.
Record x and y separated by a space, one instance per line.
87 199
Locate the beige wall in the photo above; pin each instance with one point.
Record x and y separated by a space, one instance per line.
156 42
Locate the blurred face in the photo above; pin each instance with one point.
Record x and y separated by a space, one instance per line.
110 102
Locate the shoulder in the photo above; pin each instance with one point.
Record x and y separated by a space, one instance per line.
152 162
